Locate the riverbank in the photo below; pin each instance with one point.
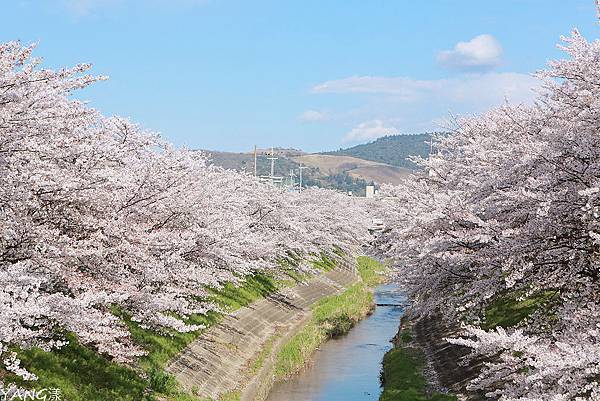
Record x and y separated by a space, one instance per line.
85 375
332 316
348 367
225 361
82 374
407 373
221 361
328 317
424 366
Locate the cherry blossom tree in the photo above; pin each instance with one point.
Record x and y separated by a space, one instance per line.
508 204
99 214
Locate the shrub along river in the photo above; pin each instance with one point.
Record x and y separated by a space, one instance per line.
347 368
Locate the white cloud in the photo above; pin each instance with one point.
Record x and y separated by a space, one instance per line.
483 52
488 89
402 87
368 131
415 106
313 116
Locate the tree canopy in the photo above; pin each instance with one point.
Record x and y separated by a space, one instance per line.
508 206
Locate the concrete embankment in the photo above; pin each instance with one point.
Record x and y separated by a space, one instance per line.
219 361
447 368
449 364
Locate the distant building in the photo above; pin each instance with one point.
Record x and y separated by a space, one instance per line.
370 191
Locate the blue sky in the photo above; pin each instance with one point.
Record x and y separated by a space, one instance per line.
315 75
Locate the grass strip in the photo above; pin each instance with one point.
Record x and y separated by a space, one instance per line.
262 356
331 316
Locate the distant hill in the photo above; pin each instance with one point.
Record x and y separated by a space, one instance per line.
381 173
366 170
392 149
332 164
245 161
338 178
380 162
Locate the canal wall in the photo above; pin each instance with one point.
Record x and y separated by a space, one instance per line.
259 386
449 367
220 361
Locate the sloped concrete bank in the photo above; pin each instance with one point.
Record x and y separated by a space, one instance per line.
259 386
219 362
448 367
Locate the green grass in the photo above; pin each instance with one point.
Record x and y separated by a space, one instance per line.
262 356
336 314
324 262
509 310
232 297
406 336
294 354
82 374
331 316
403 379
371 271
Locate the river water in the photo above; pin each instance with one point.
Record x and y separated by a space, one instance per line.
347 368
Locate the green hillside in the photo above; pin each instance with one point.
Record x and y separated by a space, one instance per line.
392 149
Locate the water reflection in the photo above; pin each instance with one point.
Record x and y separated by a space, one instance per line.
347 368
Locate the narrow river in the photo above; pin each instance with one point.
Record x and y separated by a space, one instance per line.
347 368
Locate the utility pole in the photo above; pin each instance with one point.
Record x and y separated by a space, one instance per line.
254 160
301 168
292 178
271 177
430 172
272 158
